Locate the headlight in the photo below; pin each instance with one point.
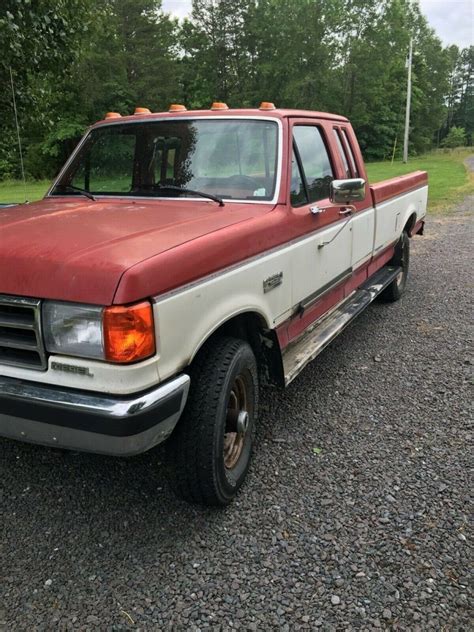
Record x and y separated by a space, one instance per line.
73 329
117 334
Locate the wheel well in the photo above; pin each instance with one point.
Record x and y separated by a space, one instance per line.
251 327
410 225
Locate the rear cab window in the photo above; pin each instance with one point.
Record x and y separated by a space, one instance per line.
350 153
342 153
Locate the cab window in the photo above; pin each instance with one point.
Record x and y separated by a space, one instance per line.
317 172
355 171
342 153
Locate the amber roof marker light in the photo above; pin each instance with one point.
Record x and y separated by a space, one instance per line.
110 115
219 105
177 107
142 111
266 105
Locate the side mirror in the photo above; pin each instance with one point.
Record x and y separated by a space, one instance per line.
346 191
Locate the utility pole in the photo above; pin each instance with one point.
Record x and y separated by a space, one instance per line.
407 112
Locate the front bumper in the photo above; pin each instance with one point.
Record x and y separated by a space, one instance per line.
91 422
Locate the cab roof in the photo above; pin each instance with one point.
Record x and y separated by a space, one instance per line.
277 113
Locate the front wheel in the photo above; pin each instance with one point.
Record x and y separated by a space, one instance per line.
394 291
212 444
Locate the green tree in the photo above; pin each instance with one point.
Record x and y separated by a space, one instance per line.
293 47
128 59
74 60
346 56
36 38
463 108
430 84
456 137
216 59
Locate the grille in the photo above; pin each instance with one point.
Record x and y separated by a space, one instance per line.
21 342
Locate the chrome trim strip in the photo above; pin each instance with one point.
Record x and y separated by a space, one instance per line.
323 331
185 118
92 403
313 298
94 423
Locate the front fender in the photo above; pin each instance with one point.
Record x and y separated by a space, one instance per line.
186 318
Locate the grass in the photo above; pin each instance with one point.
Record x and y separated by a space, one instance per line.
449 179
14 191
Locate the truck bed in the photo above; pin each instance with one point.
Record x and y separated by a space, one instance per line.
386 189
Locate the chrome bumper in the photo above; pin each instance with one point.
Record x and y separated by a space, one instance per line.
92 422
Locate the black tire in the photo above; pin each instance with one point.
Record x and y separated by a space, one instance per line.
394 291
223 376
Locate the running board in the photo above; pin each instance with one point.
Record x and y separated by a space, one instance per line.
310 344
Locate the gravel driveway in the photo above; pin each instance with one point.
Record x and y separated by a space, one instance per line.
355 514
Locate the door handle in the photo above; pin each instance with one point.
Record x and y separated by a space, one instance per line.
346 212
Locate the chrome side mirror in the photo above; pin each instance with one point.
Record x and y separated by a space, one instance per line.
347 191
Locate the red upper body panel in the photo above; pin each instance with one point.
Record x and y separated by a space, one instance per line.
396 186
115 250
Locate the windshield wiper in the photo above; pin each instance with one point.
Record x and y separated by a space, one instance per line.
172 187
88 194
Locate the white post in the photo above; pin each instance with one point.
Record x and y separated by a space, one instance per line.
407 112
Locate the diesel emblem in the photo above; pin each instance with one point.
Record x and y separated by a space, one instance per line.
70 368
272 282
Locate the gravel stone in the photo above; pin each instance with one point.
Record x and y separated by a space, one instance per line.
393 473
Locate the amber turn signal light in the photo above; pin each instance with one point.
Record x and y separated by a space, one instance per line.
177 107
113 115
218 105
129 332
266 105
142 111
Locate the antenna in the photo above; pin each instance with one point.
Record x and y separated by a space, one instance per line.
18 135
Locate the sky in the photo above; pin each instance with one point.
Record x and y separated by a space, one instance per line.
453 20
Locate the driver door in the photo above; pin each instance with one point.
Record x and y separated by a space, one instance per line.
322 259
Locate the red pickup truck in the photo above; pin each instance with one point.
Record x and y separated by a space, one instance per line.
180 261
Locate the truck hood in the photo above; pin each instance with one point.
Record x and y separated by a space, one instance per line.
78 249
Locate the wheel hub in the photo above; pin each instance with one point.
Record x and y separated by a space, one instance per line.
242 422
237 423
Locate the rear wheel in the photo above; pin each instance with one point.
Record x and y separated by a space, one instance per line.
212 444
394 291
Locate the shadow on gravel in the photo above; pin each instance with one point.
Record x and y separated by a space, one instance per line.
99 493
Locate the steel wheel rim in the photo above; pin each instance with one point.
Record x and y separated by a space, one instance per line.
403 262
234 440
400 278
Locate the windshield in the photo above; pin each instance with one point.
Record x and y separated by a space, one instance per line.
230 158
